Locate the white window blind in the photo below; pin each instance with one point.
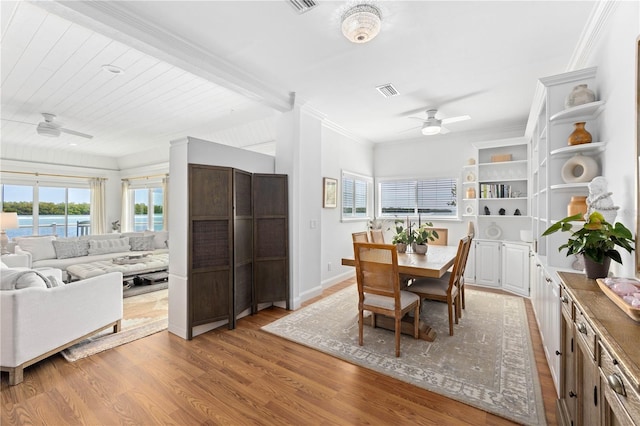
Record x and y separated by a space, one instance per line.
355 196
430 197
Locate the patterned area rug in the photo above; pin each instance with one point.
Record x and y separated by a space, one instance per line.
488 363
154 305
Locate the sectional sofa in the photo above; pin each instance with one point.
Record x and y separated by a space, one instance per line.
50 251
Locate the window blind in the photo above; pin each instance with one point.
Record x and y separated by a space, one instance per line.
432 197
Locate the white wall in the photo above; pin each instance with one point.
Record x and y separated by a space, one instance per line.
340 152
615 57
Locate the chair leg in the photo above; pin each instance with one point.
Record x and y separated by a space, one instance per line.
416 321
450 318
397 333
462 295
360 326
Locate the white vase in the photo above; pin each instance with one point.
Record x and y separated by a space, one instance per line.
580 95
579 168
421 249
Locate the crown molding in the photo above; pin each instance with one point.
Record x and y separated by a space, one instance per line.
111 19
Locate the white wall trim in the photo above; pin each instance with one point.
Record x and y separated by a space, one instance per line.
337 279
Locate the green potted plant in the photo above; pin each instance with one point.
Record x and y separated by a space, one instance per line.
596 240
400 238
421 237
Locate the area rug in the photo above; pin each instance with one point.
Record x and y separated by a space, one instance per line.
153 319
488 363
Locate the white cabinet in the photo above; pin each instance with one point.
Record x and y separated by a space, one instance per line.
487 263
515 268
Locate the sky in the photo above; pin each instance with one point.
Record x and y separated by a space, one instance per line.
76 195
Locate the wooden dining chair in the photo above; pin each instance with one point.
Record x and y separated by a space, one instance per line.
471 232
443 237
379 288
447 288
360 237
377 236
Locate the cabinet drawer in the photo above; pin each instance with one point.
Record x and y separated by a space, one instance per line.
585 333
567 303
615 384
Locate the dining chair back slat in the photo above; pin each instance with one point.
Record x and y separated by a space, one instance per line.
377 236
360 237
443 237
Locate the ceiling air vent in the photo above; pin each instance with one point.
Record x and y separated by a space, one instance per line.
302 6
387 90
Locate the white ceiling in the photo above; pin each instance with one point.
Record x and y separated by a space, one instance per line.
225 70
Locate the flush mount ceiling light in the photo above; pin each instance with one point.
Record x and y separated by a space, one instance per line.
431 127
361 23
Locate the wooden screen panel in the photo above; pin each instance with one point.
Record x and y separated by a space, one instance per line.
271 281
210 244
242 243
271 239
272 195
209 191
209 296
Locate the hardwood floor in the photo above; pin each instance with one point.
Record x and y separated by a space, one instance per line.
237 377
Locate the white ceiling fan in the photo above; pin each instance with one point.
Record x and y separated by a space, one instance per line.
50 128
434 126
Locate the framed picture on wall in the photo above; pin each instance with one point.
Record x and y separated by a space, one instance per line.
329 193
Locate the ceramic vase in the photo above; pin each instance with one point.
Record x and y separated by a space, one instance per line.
421 249
579 135
471 193
594 269
401 247
579 168
578 204
581 94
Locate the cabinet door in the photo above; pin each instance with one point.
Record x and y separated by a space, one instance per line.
488 263
515 268
588 386
567 402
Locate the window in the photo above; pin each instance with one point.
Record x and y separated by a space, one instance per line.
148 209
435 198
46 210
355 196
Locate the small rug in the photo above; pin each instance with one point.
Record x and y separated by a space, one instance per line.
488 363
155 319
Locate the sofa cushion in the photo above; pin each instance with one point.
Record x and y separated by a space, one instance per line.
132 234
39 247
16 279
109 246
160 239
142 243
66 249
99 237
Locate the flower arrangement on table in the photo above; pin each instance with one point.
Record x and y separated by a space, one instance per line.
417 238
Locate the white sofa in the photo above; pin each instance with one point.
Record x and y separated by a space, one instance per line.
52 252
37 321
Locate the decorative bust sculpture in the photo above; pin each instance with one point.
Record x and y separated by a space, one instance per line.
599 200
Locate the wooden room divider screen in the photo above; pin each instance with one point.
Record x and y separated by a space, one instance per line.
238 243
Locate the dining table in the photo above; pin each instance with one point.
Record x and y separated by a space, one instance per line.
434 264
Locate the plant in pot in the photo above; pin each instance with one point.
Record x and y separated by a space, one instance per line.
400 238
596 241
421 237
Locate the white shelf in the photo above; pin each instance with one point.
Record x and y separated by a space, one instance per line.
500 163
498 216
585 111
585 148
502 199
569 186
503 180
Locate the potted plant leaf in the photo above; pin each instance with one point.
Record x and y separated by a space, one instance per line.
596 240
421 237
400 238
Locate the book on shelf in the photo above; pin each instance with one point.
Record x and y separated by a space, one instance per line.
495 190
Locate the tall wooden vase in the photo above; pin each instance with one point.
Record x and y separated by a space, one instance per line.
579 135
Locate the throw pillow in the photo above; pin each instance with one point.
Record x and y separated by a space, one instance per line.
54 281
109 246
141 243
67 249
39 247
160 239
16 279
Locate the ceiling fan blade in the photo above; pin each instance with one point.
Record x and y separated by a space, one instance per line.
418 118
410 130
456 119
18 121
444 130
73 132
